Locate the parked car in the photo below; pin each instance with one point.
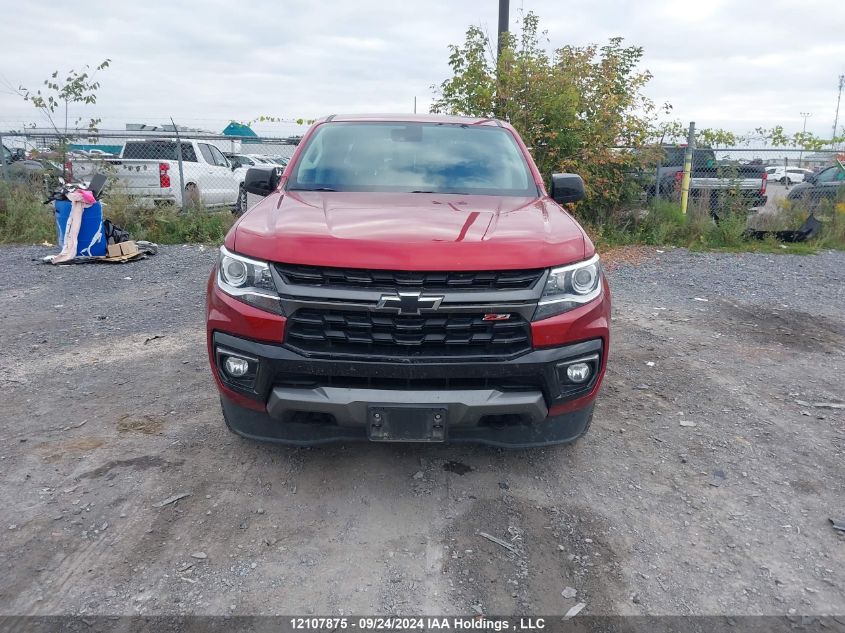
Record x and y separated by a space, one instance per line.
43 174
409 278
710 179
794 174
243 160
828 184
149 169
12 155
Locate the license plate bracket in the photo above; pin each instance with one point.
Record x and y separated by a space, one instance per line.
406 423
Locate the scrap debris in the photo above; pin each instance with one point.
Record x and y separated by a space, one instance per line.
718 478
172 499
574 611
810 228
821 405
498 541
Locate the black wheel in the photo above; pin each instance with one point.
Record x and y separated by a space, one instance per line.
240 205
192 195
782 180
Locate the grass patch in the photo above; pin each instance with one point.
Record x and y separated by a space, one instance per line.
24 219
663 224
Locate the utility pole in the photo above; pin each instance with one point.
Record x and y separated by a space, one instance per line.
838 100
504 25
805 115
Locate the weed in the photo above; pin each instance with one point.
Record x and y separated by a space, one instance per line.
25 219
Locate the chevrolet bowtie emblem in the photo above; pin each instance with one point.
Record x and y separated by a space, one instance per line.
408 302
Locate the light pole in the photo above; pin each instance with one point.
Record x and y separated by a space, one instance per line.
836 118
805 115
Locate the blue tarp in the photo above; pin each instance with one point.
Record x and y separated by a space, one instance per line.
239 129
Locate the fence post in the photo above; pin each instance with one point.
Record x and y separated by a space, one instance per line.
179 159
2 159
687 167
786 172
657 169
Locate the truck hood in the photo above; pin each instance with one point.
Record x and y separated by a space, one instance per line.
402 231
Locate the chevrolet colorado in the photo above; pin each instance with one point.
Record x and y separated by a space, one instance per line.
408 278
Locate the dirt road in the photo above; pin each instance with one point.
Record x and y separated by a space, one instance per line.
705 486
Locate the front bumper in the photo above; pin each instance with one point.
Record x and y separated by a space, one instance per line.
298 400
258 425
301 400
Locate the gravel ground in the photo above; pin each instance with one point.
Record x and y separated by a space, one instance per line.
703 487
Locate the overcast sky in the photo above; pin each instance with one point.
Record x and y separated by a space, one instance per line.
734 64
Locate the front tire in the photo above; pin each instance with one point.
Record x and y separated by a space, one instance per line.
240 205
192 196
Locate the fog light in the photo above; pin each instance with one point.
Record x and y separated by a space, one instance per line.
578 372
236 367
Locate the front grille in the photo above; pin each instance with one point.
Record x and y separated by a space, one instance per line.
437 335
398 279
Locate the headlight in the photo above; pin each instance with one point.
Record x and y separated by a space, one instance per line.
570 286
247 280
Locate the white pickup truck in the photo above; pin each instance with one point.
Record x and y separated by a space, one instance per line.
149 169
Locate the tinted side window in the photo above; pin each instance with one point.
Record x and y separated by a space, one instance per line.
674 156
219 159
831 174
207 156
157 150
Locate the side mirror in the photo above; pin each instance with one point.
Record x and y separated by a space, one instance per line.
567 188
262 181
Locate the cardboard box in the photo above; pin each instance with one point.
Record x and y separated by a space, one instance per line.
123 249
128 248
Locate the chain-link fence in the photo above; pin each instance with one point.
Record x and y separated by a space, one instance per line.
190 169
745 178
150 168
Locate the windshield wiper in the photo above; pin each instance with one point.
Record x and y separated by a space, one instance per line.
311 189
457 193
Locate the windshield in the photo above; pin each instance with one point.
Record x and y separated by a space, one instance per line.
413 157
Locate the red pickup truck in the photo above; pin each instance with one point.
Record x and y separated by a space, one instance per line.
408 278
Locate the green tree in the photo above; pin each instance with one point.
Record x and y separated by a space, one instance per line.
572 107
57 94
